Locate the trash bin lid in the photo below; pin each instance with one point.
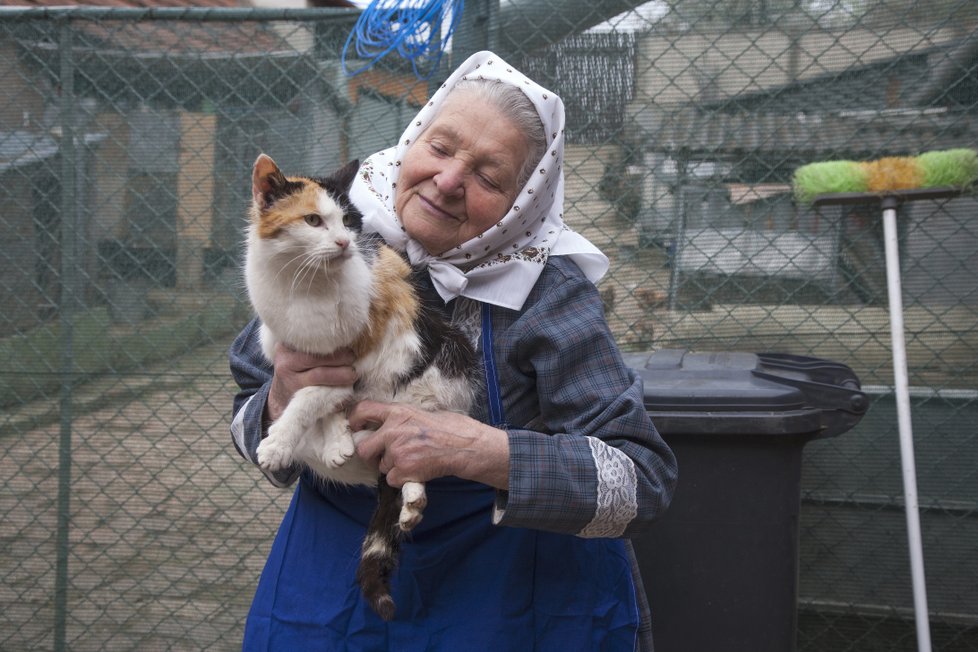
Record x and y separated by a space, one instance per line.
738 393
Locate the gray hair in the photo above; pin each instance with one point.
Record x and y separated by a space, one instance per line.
516 106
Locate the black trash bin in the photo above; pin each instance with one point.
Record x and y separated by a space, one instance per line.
721 567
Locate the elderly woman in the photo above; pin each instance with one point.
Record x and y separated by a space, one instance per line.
531 495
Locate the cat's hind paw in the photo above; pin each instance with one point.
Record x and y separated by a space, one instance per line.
413 502
274 454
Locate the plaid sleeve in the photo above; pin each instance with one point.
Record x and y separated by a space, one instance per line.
253 374
591 463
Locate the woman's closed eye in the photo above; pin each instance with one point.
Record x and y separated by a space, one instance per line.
489 182
438 149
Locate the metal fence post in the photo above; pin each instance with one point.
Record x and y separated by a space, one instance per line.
67 315
680 226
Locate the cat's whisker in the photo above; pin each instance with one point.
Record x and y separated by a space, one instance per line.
306 269
288 264
310 266
323 264
296 276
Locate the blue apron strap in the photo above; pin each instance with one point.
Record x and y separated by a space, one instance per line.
496 414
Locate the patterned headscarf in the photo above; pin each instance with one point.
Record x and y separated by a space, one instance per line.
501 265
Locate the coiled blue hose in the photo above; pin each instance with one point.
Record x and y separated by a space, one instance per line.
412 27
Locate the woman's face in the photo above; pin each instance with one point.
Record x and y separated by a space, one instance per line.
459 177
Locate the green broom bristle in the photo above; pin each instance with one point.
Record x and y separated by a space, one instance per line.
817 179
957 168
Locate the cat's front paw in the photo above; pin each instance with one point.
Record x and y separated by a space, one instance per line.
274 453
413 502
338 448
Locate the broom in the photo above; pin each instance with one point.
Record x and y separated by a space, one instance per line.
888 182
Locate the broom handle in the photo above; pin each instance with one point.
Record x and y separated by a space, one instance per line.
894 291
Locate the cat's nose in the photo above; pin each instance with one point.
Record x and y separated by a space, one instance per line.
342 243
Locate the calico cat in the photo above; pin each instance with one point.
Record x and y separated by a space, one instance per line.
318 284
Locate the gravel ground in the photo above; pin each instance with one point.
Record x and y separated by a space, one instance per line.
169 527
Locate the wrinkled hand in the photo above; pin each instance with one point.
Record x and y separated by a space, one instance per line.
412 445
295 370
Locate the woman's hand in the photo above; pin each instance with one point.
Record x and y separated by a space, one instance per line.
295 370
412 445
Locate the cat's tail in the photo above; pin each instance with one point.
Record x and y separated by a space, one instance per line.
379 553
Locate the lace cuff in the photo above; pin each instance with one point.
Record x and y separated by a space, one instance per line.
617 499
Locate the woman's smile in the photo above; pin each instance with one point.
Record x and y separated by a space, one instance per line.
435 209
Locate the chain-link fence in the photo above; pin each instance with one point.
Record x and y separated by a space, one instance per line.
126 142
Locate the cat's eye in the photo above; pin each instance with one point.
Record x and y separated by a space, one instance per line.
313 220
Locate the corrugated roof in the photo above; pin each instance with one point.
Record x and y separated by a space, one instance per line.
125 3
885 84
864 111
163 37
160 3
173 61
856 133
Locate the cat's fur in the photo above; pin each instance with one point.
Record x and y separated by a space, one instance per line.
319 285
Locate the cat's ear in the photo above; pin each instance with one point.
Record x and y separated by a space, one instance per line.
266 179
345 175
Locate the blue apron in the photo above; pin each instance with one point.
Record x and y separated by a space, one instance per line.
461 583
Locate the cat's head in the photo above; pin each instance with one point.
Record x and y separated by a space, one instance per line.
310 217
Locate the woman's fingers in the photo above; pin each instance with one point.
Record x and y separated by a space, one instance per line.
410 444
